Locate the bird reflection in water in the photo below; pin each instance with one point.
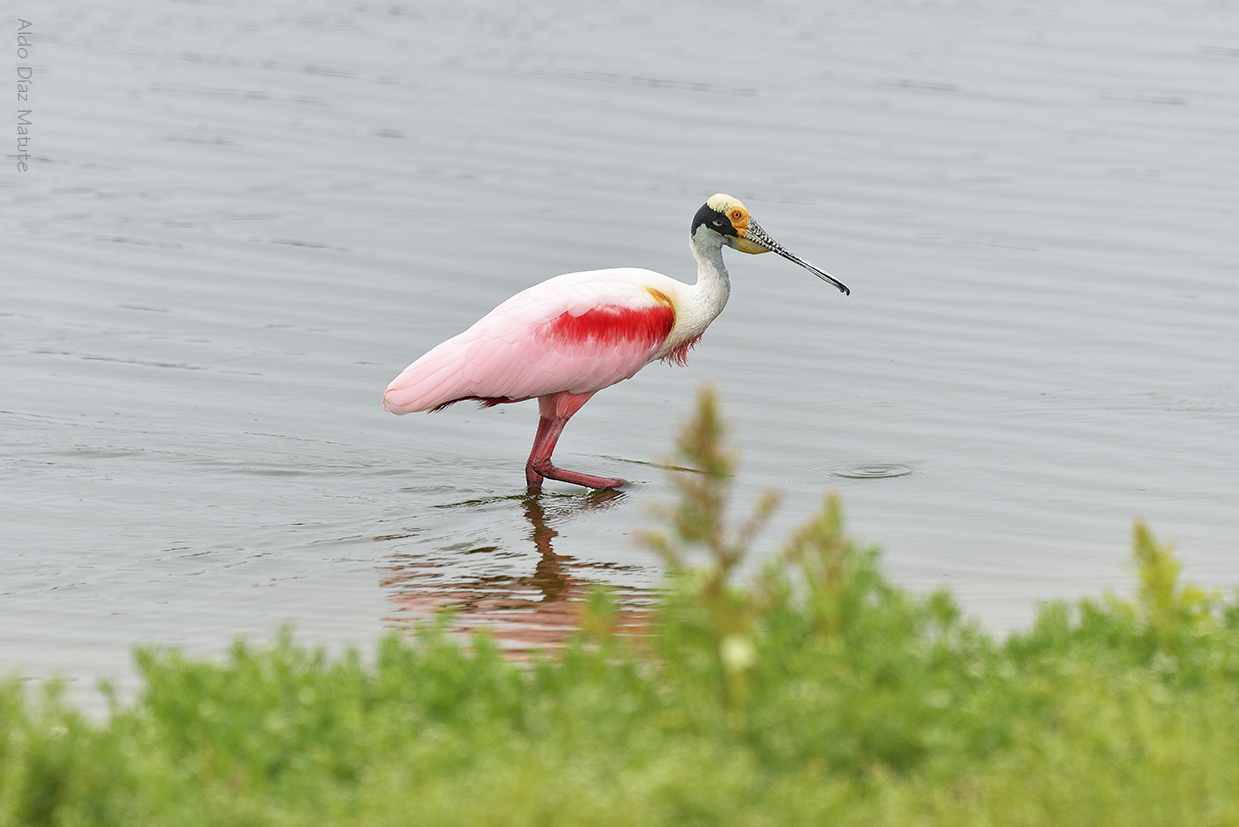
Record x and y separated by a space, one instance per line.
521 612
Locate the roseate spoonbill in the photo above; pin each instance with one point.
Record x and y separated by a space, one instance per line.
569 337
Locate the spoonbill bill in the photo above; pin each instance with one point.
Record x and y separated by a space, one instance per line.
569 337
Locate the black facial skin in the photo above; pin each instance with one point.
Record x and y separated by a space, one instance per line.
713 219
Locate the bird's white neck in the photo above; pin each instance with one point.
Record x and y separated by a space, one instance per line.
713 284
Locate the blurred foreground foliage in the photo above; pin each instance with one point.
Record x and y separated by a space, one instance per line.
812 691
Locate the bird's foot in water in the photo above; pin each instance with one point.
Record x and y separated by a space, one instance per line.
535 472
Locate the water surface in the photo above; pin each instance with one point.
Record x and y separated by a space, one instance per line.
242 220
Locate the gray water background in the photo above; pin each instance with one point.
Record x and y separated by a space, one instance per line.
241 220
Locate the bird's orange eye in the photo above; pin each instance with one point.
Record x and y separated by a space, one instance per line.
737 215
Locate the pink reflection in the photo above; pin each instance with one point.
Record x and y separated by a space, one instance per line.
538 611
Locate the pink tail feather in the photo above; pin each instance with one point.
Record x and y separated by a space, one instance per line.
433 381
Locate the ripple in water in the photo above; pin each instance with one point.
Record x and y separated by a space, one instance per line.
872 471
823 472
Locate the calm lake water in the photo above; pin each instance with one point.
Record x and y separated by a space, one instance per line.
241 220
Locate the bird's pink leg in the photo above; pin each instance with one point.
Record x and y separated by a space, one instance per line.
532 478
556 409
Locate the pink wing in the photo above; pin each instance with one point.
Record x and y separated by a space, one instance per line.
577 333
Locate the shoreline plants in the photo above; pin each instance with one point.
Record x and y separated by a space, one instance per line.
812 691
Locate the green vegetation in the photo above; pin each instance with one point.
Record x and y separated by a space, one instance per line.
814 692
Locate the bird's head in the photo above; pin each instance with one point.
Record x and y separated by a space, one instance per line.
727 217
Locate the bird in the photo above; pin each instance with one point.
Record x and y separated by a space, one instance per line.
566 338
